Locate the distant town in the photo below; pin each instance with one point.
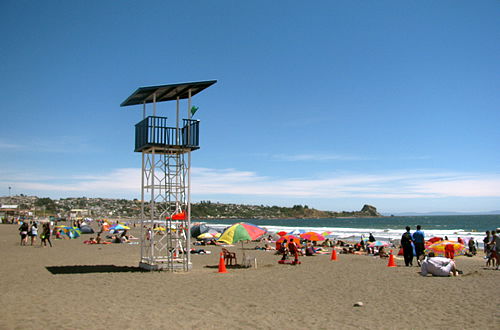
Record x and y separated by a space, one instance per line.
79 207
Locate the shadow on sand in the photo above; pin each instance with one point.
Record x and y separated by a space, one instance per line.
89 269
237 266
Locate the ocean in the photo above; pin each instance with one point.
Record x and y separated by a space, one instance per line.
383 228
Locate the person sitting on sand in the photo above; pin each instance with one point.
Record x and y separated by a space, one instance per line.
283 249
268 247
116 239
438 266
382 253
124 235
327 243
310 251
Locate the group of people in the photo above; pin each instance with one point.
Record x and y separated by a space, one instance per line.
31 230
492 248
414 245
408 241
291 248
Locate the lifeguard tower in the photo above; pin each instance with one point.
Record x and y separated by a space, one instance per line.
166 180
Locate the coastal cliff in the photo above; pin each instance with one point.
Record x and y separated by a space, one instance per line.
208 210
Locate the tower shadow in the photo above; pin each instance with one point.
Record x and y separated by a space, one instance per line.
89 269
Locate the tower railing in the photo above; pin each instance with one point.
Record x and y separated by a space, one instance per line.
153 131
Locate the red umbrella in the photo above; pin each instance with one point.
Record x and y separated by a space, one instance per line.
281 233
287 238
434 239
312 236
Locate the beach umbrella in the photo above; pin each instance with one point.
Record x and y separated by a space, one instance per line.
312 236
281 233
119 227
439 248
434 239
205 236
288 238
86 230
71 232
379 243
240 232
297 232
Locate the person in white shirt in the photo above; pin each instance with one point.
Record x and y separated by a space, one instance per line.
438 266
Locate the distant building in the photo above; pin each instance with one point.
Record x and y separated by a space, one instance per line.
75 214
9 212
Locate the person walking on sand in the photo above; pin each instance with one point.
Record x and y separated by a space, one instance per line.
46 235
406 241
419 242
23 232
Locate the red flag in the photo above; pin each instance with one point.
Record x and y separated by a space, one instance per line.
179 216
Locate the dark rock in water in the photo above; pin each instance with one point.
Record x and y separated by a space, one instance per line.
369 210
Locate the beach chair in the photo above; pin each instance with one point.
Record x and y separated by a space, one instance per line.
229 257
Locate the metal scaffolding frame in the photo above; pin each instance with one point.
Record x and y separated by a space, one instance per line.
166 177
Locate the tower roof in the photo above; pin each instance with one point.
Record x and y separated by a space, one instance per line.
166 92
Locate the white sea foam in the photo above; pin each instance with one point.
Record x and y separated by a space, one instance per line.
380 234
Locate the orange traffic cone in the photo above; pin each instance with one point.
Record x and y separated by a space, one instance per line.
222 265
391 263
334 254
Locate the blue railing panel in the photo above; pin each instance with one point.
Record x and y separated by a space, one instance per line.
153 131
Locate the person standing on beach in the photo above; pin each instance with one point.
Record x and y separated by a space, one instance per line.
23 231
486 240
371 238
419 242
294 251
46 235
34 232
406 241
495 247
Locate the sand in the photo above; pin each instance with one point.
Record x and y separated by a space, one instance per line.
78 286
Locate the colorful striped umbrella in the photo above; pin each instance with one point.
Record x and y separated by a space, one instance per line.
439 248
118 227
72 232
240 232
205 236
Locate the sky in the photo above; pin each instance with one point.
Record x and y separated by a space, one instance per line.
330 104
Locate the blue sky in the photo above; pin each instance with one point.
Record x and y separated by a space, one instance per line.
333 104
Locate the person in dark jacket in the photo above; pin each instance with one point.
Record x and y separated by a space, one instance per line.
406 243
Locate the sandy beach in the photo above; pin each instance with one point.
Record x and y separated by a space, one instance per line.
78 286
